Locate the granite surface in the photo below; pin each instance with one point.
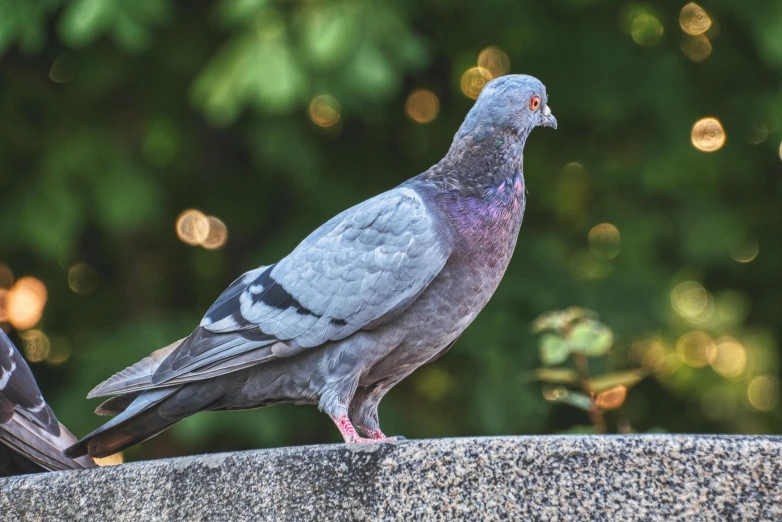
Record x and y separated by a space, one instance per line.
649 477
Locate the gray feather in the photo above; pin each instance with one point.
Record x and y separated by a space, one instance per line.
362 265
31 438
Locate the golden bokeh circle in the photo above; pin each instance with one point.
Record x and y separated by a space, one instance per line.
604 241
744 250
82 279
731 358
696 48
36 345
422 106
324 110
192 227
696 349
217 236
474 80
708 135
494 60
25 303
693 19
59 351
689 299
763 392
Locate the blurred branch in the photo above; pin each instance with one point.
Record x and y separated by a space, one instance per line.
595 415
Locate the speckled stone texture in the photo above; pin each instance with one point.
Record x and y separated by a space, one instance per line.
660 477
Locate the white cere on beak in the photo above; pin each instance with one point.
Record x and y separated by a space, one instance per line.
546 111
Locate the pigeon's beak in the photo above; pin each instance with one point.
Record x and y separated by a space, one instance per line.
548 119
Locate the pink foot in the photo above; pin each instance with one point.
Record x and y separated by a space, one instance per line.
349 432
375 434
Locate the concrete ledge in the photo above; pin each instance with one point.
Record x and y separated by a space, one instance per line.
659 477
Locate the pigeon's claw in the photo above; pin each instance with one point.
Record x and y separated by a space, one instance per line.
373 434
379 436
350 435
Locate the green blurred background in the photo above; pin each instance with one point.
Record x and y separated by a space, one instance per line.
118 115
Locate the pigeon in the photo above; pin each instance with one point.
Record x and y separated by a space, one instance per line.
31 439
377 291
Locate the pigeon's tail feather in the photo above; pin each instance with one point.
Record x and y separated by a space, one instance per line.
26 448
117 439
134 378
141 420
118 404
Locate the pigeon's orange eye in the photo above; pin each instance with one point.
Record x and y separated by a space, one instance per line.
534 103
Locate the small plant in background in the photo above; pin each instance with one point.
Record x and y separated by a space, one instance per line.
568 339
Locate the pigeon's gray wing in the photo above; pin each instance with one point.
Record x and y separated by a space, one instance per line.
32 437
355 272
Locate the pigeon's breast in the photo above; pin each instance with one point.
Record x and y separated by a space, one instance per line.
484 239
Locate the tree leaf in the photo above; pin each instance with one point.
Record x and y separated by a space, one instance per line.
556 375
553 349
591 338
611 399
560 319
576 399
610 380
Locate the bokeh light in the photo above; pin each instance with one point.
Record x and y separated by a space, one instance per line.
690 299
696 48
422 106
743 250
59 351
731 358
780 151
82 279
696 349
217 236
604 241
60 71
693 19
708 135
324 111
758 134
35 345
494 60
192 227
25 303
655 356
474 80
195 228
645 28
763 392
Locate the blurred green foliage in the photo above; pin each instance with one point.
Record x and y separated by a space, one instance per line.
117 115
574 335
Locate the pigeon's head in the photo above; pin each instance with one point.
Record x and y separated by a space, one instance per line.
516 103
